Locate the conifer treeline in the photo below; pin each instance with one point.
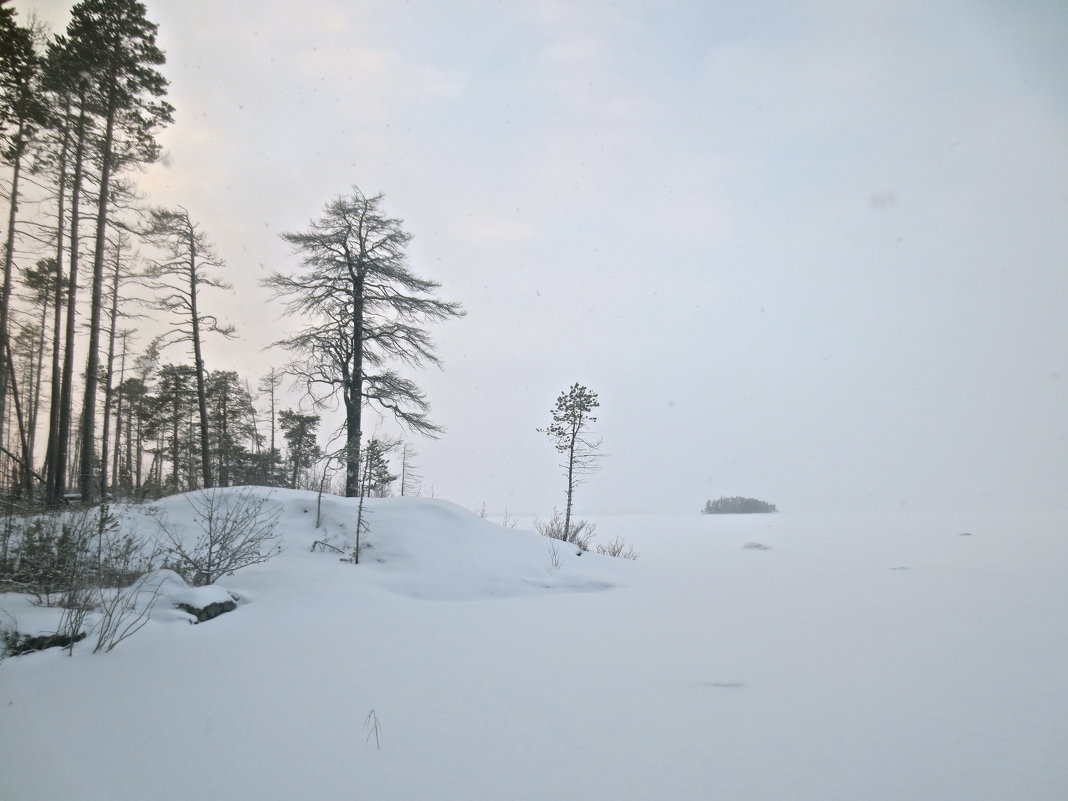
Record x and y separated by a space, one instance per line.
88 406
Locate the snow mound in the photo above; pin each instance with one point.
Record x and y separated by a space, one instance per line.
433 549
417 547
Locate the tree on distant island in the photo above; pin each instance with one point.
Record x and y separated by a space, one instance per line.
737 506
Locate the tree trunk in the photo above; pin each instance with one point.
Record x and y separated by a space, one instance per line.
109 374
52 448
66 389
198 358
25 473
273 383
352 445
116 461
92 363
354 396
223 447
570 484
38 377
5 292
140 445
175 454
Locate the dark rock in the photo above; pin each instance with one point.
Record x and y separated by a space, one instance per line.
18 644
209 611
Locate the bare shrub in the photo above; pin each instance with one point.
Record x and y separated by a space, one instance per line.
123 612
618 549
79 603
580 534
236 531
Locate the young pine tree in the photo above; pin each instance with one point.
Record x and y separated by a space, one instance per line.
299 431
569 432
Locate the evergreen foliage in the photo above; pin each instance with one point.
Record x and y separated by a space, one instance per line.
737 506
377 478
299 431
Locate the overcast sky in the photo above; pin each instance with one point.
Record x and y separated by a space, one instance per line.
814 252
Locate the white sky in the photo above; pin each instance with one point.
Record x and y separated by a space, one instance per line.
812 251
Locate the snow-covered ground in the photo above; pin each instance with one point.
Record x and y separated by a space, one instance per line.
861 659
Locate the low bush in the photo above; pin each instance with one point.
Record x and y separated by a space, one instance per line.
580 534
618 549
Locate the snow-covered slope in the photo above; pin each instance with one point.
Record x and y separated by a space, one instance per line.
845 659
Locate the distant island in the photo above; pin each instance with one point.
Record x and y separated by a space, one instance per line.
737 506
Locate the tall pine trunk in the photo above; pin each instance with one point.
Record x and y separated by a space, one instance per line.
109 373
38 377
25 471
198 358
5 291
116 464
52 448
570 484
63 422
87 477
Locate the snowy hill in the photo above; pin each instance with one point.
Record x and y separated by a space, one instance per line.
739 658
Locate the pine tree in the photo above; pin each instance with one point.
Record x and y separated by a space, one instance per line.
377 478
177 279
303 451
114 45
569 431
119 271
231 425
72 125
361 306
175 405
46 290
270 384
22 112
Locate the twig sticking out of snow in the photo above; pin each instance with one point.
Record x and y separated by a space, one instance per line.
374 729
